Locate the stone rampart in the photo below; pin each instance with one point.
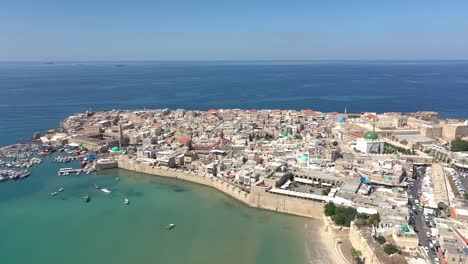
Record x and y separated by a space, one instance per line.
258 199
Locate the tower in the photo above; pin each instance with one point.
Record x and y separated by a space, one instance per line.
120 136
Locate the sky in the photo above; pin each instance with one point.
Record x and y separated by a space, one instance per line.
54 30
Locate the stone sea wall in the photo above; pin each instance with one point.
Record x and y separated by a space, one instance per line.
359 242
257 199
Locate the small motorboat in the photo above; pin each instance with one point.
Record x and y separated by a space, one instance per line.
60 190
86 198
126 201
117 178
53 194
106 191
170 226
97 186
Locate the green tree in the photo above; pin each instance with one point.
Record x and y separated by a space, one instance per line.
380 239
374 219
465 195
390 249
356 254
459 145
330 209
339 219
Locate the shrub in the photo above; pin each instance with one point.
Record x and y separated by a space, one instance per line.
380 239
390 249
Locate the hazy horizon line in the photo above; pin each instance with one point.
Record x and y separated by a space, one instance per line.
241 60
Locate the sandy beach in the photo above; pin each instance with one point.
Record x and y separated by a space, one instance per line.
321 243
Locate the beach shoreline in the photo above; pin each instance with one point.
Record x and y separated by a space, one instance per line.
321 243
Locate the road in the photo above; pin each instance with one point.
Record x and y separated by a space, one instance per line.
421 226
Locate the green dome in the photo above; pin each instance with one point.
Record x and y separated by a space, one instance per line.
371 135
115 149
432 154
304 159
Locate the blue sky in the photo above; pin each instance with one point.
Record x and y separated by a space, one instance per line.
232 30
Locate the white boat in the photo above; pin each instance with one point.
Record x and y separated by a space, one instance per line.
126 201
53 194
60 190
170 226
106 191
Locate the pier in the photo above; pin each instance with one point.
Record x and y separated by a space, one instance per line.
68 171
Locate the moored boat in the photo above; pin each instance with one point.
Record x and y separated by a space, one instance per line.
106 191
126 201
170 226
60 190
53 194
97 186
86 198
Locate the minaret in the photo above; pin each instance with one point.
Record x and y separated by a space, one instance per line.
120 136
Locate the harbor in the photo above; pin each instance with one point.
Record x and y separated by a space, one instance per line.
153 204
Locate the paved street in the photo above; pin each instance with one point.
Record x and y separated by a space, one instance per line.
418 215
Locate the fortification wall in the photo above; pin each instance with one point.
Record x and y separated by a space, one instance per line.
360 243
263 200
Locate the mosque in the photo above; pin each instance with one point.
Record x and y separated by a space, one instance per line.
370 143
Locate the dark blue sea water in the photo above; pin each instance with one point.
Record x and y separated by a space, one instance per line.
36 96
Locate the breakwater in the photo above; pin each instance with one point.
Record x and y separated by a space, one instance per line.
257 198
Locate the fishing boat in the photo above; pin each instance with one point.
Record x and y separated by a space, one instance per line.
106 191
97 186
60 190
126 201
86 198
117 178
53 194
170 226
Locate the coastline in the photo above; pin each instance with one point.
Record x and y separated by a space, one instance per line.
322 243
259 199
321 251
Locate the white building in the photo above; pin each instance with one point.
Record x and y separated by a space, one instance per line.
370 143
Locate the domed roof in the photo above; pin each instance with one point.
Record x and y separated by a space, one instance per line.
304 158
371 135
340 119
432 154
115 149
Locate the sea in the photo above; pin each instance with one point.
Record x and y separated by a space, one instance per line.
210 227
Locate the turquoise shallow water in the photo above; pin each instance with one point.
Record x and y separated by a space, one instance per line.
210 227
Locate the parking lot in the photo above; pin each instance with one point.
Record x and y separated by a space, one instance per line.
460 180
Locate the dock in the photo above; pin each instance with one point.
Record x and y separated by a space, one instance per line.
68 171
